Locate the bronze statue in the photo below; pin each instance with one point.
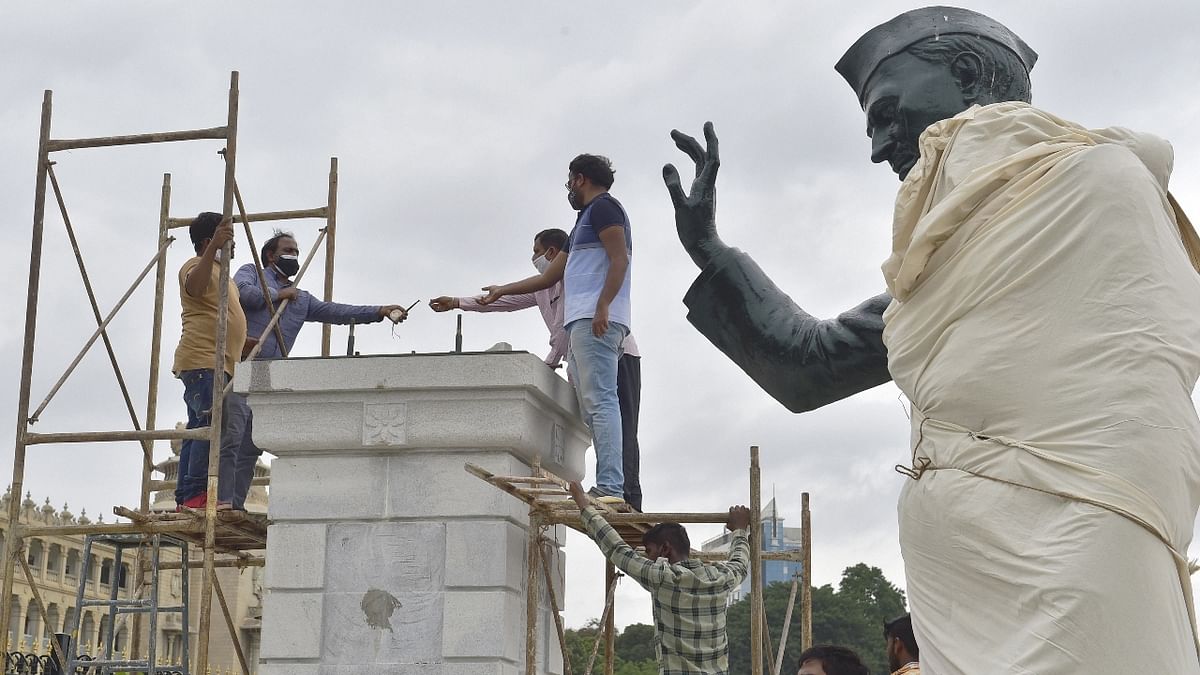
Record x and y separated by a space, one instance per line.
1033 319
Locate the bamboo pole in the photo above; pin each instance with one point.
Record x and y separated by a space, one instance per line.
787 622
32 438
136 139
37 597
214 448
806 637
534 553
160 281
331 229
768 648
610 642
239 563
157 527
572 517
609 598
91 293
258 266
756 599
558 622
254 352
98 332
258 217
31 307
233 634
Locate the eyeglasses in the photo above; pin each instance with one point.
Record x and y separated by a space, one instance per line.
569 181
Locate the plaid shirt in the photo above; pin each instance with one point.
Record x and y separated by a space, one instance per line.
690 598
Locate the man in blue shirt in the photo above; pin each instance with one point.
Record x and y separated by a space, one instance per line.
281 261
595 270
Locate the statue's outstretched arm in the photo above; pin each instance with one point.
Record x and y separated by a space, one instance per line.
802 361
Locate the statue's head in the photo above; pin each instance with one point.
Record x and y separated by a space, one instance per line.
928 65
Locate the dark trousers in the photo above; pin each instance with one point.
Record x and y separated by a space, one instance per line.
629 395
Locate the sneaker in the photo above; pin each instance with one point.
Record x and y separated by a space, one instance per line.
599 496
198 502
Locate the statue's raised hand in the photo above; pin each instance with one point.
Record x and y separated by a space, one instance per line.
695 212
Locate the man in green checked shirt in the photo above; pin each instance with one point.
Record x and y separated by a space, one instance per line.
690 597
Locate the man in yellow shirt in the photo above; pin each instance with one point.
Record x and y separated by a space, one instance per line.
199 284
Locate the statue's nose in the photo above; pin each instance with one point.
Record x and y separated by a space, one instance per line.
882 145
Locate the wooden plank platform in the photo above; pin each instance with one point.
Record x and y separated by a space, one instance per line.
547 494
236 531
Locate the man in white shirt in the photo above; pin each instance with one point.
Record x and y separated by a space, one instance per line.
547 244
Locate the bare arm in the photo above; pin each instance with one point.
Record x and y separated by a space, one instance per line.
196 283
613 239
552 275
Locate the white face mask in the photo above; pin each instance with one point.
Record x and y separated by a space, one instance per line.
541 264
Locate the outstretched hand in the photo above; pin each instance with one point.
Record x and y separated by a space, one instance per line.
491 294
695 212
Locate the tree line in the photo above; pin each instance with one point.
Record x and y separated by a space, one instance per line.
851 615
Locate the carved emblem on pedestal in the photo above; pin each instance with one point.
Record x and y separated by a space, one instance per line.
384 423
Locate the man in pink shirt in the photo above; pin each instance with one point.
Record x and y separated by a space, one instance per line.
546 245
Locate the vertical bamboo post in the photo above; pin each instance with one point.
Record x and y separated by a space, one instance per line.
160 282
330 234
806 637
756 591
218 398
13 541
233 634
787 623
531 594
554 609
610 637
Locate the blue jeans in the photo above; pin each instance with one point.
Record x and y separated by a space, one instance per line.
238 454
592 363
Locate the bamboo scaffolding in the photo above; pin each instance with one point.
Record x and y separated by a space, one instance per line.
233 634
258 266
756 590
262 216
806 590
147 446
55 648
31 307
331 230
554 610
609 598
98 332
274 322
239 563
218 399
534 550
214 133
221 534
32 438
787 622
548 508
610 631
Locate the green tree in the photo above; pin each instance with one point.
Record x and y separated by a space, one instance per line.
851 616
634 649
636 643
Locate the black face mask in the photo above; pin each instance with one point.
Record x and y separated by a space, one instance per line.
287 265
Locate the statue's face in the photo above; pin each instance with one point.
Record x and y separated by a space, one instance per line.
903 97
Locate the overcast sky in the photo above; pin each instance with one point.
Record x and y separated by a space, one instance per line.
454 123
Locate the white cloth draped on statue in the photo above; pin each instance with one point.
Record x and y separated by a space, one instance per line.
1046 329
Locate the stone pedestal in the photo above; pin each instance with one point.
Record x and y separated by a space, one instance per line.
384 555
